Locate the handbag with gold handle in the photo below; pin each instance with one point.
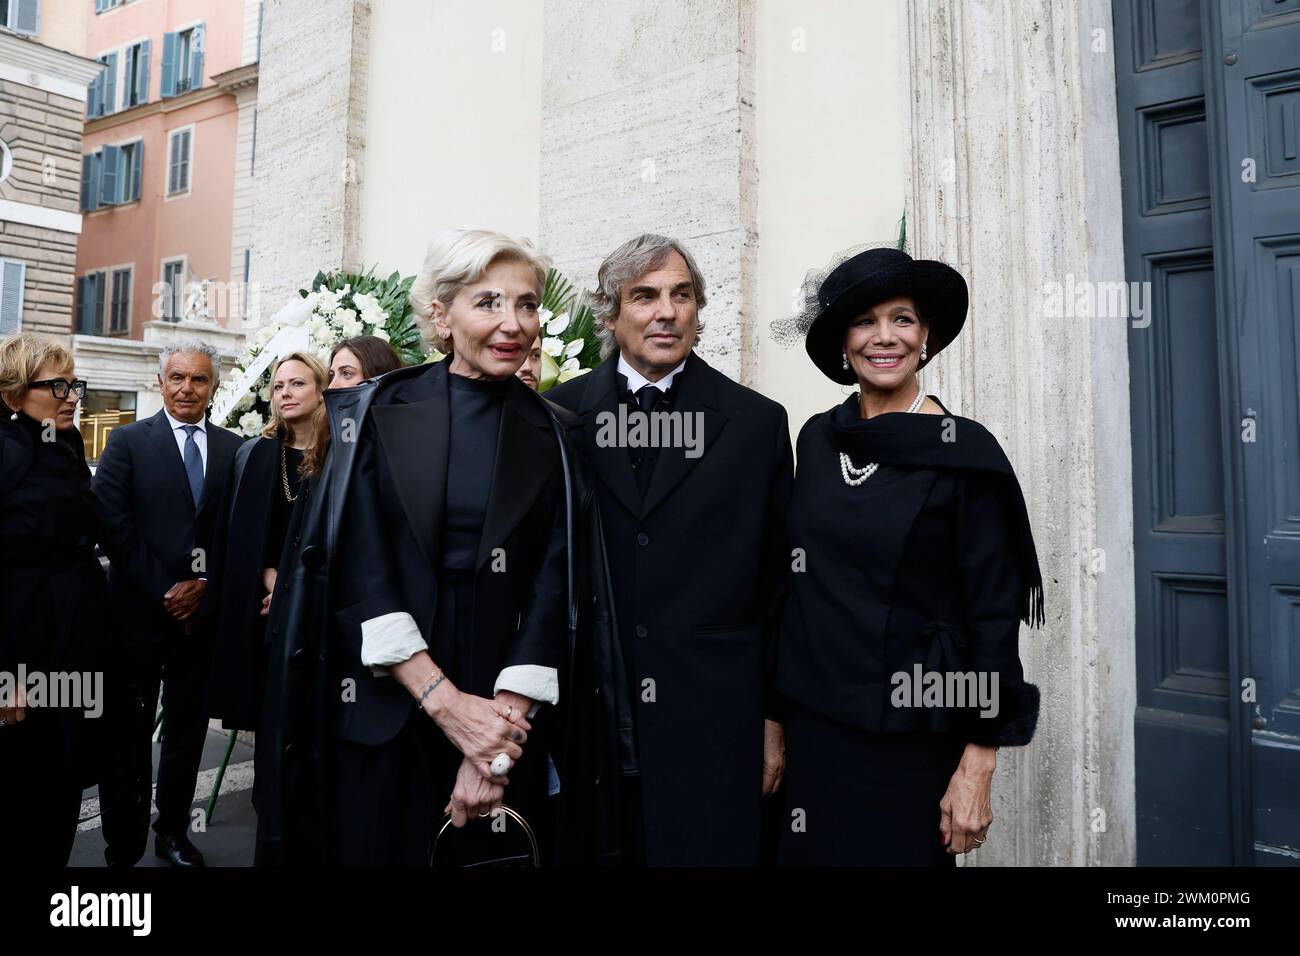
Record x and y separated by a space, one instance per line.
504 838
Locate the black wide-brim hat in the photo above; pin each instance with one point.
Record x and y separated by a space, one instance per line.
874 276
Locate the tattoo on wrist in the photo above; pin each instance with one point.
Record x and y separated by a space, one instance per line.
431 684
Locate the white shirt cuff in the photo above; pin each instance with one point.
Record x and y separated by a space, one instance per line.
389 639
540 683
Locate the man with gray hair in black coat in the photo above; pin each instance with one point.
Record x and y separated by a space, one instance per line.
694 476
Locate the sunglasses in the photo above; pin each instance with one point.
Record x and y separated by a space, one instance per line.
60 387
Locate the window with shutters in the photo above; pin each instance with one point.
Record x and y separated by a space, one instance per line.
101 96
119 305
180 158
89 307
135 74
13 273
103 5
173 290
182 63
21 16
111 176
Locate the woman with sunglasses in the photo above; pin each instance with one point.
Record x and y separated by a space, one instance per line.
51 603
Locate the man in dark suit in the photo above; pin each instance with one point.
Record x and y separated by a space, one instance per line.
694 477
159 486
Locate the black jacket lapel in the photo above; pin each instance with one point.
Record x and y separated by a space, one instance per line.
413 434
696 401
160 433
525 458
612 464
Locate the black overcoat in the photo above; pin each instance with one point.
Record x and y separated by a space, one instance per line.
698 571
367 544
244 521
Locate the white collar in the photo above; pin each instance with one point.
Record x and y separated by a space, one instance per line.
635 380
177 423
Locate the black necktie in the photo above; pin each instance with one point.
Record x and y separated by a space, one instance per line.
645 399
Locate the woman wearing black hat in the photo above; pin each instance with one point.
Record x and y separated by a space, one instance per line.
898 657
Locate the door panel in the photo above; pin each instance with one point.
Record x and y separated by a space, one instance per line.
1253 92
1182 728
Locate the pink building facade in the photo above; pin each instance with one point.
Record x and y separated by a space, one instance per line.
159 165
166 181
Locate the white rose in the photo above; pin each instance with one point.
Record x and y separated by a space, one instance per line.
573 348
250 424
380 333
553 347
327 301
558 324
545 315
375 317
365 302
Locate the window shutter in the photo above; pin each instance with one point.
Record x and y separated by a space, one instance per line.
86 164
184 175
12 274
29 17
99 6
110 85
173 162
92 97
142 74
108 178
196 67
79 307
96 170
168 81
97 303
137 162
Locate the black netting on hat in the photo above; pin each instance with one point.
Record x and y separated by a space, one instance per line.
791 330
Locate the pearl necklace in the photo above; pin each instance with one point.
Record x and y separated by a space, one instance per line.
854 476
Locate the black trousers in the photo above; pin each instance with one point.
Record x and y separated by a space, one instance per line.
178 665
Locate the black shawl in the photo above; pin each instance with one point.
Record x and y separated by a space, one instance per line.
944 442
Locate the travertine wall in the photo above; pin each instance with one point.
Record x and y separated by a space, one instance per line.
43 131
310 139
1014 179
648 126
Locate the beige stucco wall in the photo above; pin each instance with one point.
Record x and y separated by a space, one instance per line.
453 123
831 157
63 24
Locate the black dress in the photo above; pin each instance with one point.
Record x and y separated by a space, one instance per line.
926 567
52 620
418 768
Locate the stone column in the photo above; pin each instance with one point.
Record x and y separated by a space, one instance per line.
311 101
648 126
1014 179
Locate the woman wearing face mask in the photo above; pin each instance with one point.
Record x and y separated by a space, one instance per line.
52 604
354 360
270 478
898 655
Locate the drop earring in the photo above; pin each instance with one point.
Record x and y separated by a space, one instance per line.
845 356
922 351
